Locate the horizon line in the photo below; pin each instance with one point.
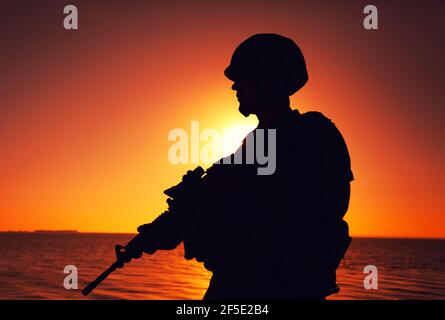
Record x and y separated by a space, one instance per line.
118 232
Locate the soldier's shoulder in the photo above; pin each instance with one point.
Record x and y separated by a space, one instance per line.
322 132
317 122
315 117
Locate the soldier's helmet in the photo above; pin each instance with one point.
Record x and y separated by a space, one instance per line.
269 55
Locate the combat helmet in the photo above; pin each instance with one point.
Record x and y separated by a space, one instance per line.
269 55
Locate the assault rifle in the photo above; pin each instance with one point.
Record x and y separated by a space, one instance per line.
178 191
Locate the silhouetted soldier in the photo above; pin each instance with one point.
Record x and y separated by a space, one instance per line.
278 236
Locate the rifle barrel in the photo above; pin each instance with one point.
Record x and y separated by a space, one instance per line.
100 278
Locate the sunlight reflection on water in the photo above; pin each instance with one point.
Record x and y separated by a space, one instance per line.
32 268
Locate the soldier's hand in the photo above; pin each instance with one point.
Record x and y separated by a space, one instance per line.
133 250
148 244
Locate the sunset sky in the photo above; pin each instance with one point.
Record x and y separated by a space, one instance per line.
85 114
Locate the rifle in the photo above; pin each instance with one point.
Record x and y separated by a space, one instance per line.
174 192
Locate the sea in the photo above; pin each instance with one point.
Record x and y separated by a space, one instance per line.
33 266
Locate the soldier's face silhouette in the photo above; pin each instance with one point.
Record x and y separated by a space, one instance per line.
255 95
246 94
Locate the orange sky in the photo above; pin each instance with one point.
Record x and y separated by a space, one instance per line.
85 114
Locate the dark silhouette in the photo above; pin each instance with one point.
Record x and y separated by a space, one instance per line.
278 236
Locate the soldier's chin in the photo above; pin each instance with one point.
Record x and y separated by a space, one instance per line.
245 109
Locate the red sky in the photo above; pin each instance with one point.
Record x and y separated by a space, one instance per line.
85 114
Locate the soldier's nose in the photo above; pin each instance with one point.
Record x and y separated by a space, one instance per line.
234 86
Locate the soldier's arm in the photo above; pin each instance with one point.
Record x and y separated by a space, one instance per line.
164 233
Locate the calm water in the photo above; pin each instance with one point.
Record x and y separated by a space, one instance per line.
31 267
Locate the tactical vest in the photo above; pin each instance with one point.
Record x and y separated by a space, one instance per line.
295 215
